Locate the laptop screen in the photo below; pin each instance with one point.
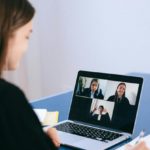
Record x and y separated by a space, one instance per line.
106 100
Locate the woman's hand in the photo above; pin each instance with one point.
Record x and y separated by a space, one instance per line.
52 133
139 146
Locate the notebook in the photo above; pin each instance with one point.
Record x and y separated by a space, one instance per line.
51 118
47 118
41 114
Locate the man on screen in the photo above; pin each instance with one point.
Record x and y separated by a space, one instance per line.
100 117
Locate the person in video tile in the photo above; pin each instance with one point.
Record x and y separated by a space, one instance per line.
120 100
122 106
100 117
94 90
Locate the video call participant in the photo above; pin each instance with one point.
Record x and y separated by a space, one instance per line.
119 96
121 105
100 117
93 91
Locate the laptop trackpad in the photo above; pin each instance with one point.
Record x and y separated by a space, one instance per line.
66 138
90 144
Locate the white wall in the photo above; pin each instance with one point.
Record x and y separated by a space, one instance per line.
100 35
104 36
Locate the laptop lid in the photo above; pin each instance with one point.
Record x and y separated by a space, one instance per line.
106 100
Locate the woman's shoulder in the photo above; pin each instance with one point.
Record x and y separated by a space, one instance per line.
126 99
6 86
111 98
14 100
4 83
9 91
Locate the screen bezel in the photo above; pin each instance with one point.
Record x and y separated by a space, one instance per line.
112 77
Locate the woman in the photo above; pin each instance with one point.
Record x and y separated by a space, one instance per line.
19 126
93 91
119 96
121 102
120 114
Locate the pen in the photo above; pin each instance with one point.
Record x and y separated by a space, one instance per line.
140 136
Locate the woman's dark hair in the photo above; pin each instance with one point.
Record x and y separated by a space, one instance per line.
13 15
116 94
97 91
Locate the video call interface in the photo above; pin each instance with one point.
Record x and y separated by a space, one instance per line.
105 103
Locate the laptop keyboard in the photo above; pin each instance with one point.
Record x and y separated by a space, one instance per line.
87 132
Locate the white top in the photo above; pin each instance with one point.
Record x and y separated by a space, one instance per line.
99 117
92 94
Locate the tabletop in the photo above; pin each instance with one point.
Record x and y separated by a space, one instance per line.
61 102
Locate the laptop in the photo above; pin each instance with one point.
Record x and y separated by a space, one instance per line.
103 111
